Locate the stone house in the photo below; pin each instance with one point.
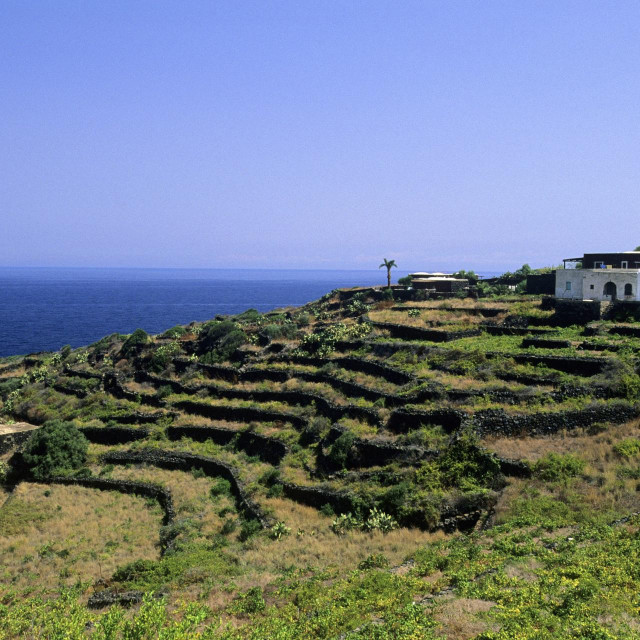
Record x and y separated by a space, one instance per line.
600 276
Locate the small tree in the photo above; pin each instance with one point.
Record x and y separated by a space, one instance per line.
388 264
56 447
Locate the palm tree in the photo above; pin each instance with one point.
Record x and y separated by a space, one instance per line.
388 264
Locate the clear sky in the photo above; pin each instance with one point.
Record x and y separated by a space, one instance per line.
305 133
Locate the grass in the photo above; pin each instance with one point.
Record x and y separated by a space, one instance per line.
550 566
41 543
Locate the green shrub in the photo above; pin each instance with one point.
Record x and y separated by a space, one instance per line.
218 340
270 477
249 602
555 467
275 491
221 487
279 530
174 332
464 464
303 320
133 344
405 281
628 448
228 526
340 449
164 391
248 529
322 342
327 510
345 522
57 447
275 331
381 521
374 561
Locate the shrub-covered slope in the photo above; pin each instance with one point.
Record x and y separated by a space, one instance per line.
354 468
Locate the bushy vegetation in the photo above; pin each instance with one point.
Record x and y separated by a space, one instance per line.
56 448
553 553
218 340
134 343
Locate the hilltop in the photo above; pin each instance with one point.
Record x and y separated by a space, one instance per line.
359 467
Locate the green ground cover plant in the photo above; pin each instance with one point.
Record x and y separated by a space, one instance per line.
440 539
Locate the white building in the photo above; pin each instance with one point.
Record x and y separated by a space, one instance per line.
602 276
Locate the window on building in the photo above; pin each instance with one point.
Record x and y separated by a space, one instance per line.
592 286
624 264
568 285
628 290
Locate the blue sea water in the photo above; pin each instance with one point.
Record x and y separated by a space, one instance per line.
42 309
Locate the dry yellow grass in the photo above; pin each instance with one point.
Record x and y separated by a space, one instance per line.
311 542
8 372
73 533
191 497
429 317
595 449
600 489
458 618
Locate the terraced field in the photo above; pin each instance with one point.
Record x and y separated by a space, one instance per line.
355 468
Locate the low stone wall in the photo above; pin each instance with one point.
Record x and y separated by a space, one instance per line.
497 330
523 378
69 390
405 420
570 312
14 440
213 371
113 435
187 462
351 363
542 343
407 332
239 414
498 422
625 331
266 448
599 346
576 366
81 373
113 385
624 311
137 417
270 375
371 453
318 496
514 468
11 366
391 374
293 397
485 312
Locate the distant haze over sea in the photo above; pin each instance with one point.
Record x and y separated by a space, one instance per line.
42 309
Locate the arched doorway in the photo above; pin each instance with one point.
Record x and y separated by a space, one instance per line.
611 290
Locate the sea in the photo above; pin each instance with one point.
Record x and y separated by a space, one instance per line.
43 309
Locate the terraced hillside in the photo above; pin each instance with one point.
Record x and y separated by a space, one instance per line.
355 468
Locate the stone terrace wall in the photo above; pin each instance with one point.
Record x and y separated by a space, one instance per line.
266 448
498 422
187 462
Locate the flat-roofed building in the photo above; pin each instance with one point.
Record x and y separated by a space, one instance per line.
600 276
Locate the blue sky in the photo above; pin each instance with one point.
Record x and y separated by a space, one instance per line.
313 134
